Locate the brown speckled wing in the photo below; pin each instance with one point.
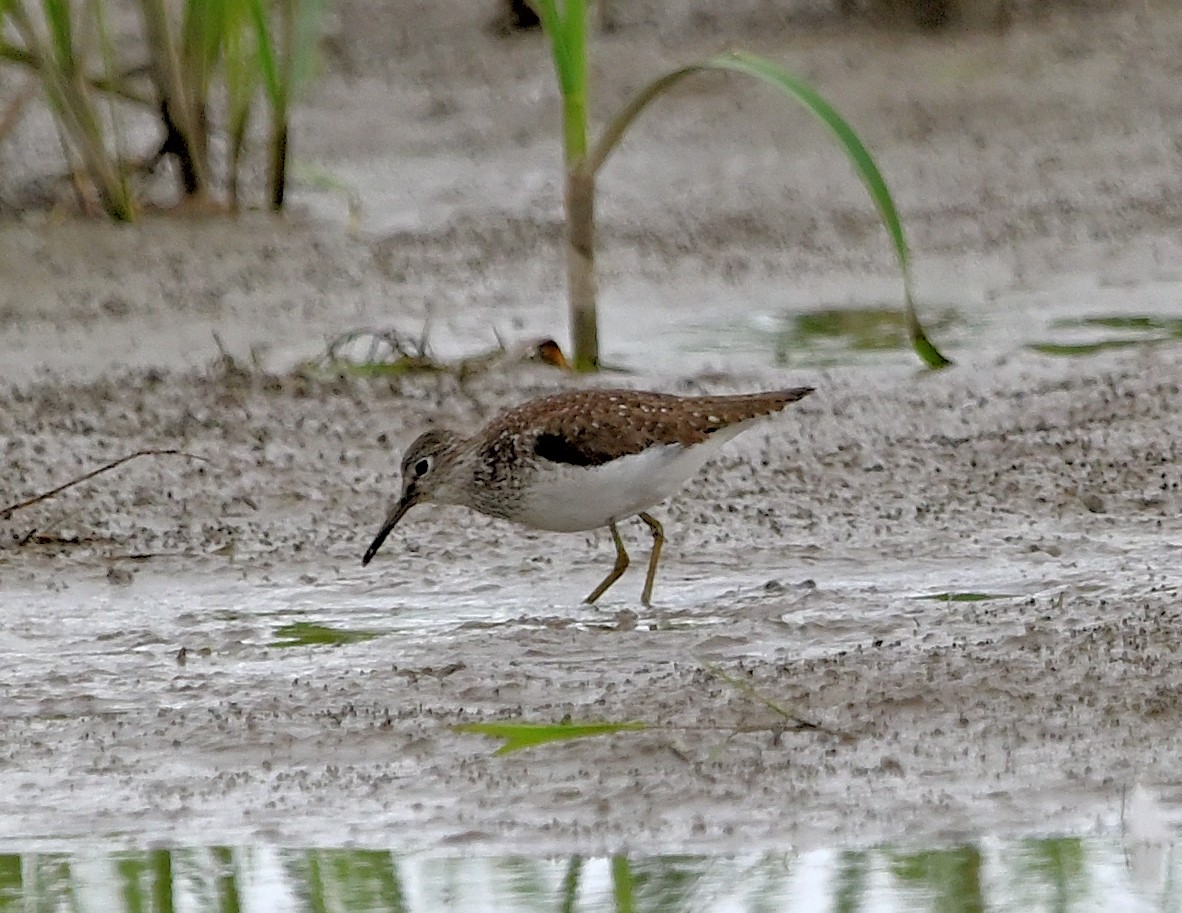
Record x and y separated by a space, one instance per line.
593 427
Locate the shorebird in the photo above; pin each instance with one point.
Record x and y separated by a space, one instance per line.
578 461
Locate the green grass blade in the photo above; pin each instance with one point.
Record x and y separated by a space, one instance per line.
111 71
181 81
240 76
552 25
268 62
1091 348
565 25
61 34
924 347
773 74
311 634
56 62
519 736
201 31
573 18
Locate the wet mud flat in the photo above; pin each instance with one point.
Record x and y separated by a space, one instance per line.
192 653
157 685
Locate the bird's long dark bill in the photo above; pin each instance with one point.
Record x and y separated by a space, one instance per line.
391 521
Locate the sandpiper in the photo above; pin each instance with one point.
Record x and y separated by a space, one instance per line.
579 460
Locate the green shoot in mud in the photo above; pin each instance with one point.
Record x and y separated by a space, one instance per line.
747 689
565 24
311 634
286 49
519 736
203 58
53 47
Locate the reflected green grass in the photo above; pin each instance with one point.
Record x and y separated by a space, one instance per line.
1023 875
825 335
948 879
1133 330
1169 325
851 334
1070 349
848 329
868 329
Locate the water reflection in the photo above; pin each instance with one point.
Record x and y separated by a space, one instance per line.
1056 874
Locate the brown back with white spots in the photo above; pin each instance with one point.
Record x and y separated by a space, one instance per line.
591 427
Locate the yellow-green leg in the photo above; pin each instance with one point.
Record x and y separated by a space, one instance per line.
617 570
658 541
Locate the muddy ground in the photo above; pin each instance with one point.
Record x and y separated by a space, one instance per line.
146 692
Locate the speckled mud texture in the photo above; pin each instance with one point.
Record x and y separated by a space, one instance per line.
150 689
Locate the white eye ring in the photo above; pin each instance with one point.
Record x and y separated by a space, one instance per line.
421 467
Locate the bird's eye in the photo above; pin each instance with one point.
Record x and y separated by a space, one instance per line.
422 467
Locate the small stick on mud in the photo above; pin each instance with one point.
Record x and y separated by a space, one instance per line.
6 512
787 714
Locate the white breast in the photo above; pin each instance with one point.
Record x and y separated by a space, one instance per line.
568 498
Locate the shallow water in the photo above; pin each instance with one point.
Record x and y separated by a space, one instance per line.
771 326
1093 873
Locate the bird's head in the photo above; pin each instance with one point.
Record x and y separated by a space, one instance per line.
421 474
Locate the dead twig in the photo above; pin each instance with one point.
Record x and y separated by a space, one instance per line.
747 689
6 512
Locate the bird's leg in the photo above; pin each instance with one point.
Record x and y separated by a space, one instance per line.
658 540
618 568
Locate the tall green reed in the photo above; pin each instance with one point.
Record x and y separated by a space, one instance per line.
53 46
204 56
565 24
